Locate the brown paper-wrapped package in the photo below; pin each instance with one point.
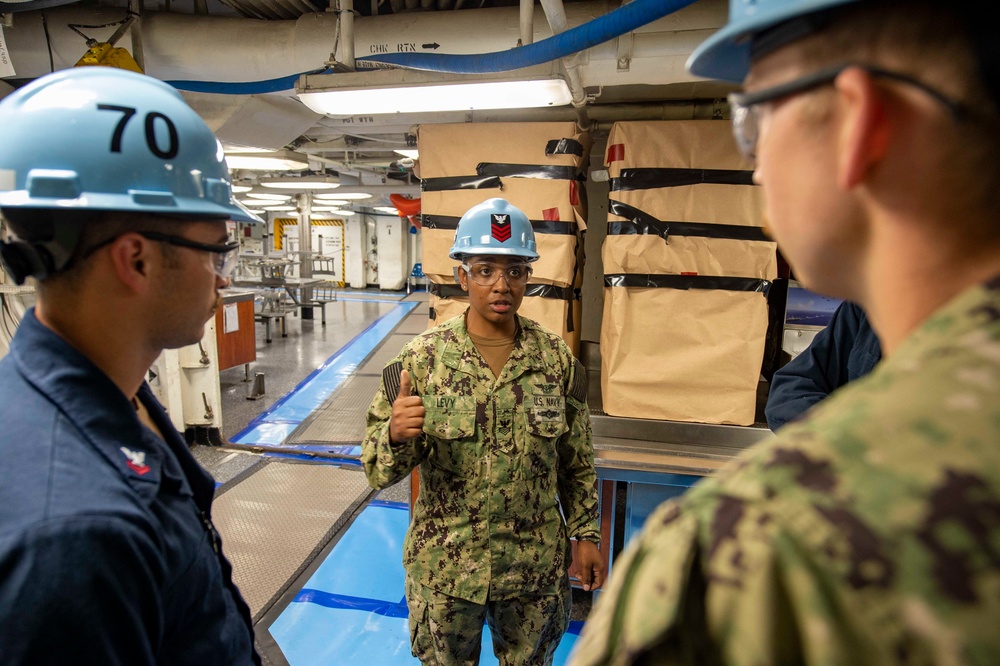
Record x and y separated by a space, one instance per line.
681 204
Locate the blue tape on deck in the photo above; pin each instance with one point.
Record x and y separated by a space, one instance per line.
273 426
374 541
358 589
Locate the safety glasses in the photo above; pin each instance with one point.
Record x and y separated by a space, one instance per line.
485 274
746 107
224 256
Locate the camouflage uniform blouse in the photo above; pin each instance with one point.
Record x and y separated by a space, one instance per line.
498 457
868 533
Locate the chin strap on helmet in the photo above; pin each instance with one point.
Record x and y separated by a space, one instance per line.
40 257
22 260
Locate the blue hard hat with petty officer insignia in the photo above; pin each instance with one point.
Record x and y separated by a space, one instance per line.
494 227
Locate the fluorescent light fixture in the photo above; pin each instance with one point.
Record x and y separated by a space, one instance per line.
236 149
412 91
278 160
268 196
257 203
387 209
326 215
278 208
342 195
329 203
303 183
241 189
412 153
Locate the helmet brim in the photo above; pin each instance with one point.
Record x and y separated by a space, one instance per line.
166 205
475 251
725 56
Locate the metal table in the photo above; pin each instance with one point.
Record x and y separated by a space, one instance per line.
273 292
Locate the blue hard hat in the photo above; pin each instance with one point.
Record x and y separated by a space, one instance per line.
726 54
106 139
494 227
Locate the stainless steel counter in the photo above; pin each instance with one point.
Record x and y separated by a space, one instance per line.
669 446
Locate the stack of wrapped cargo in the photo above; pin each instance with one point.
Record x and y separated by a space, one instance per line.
687 268
538 167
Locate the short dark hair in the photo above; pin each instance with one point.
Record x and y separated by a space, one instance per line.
932 42
80 233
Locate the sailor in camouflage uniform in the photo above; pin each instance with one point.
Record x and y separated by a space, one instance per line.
869 532
491 408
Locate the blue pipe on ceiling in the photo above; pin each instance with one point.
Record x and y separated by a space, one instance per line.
623 20
613 24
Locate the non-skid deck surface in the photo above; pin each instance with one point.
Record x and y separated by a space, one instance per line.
277 516
340 420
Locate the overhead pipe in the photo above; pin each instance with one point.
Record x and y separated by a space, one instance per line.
555 14
623 20
527 21
135 33
254 56
346 15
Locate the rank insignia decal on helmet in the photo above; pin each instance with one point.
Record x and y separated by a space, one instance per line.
494 227
500 226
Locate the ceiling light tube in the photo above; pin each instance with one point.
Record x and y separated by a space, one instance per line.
398 91
303 183
268 196
342 195
329 214
279 160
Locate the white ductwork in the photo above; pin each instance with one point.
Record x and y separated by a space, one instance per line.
183 47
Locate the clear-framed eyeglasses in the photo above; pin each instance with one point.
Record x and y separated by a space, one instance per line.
745 108
486 274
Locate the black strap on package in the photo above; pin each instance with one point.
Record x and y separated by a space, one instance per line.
657 281
642 223
653 178
489 174
564 147
543 171
461 183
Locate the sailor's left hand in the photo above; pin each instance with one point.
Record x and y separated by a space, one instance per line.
589 565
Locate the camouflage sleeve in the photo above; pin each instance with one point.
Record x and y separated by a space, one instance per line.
577 476
631 617
723 578
384 461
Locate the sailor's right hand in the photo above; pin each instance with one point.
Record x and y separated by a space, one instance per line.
407 419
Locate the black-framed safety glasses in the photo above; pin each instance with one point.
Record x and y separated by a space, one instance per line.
745 107
226 254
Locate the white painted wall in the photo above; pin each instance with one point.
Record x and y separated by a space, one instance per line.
393 252
356 247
